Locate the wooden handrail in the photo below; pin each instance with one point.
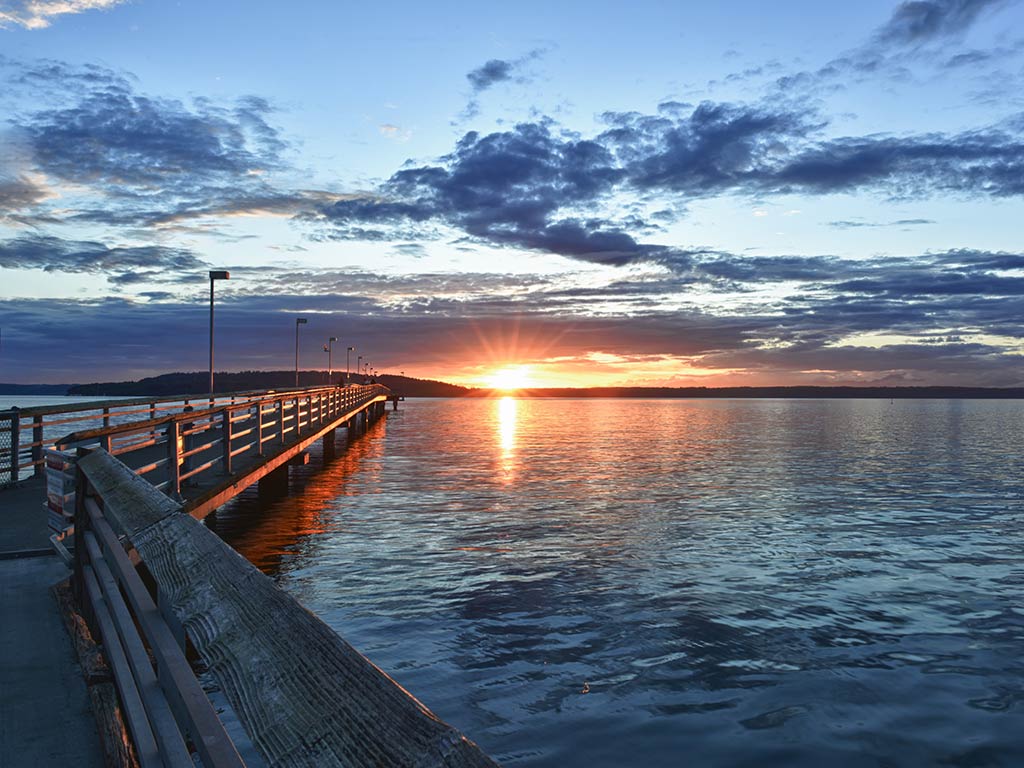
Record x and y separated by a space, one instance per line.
95 405
196 415
164 706
15 422
314 700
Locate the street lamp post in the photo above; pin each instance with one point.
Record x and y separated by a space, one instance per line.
330 344
298 321
348 351
216 274
358 363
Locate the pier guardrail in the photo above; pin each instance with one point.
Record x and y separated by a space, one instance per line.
184 445
304 695
25 433
163 709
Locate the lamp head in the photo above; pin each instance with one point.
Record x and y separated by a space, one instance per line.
301 321
333 338
219 274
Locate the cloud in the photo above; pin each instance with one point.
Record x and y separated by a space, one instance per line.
539 188
129 159
915 22
948 317
38 14
496 71
19 193
395 132
858 224
53 254
132 144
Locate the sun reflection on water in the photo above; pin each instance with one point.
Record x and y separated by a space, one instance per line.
506 423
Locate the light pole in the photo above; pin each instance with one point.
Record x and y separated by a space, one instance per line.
298 321
358 366
330 344
348 351
215 274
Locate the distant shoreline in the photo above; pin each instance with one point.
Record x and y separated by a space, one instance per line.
190 384
793 392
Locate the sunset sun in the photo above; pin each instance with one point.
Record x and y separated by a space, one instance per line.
510 377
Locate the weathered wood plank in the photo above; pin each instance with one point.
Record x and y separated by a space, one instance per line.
168 736
134 712
305 696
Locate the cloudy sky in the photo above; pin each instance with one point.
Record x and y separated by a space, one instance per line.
603 192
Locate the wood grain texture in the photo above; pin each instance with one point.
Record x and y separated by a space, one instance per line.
305 696
103 700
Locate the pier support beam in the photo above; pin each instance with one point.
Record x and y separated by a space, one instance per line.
329 437
275 484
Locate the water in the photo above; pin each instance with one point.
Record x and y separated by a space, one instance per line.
36 401
710 582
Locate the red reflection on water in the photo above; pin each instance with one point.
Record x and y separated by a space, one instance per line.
266 531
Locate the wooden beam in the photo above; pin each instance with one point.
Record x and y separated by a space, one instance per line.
306 697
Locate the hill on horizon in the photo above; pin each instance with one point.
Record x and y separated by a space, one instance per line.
197 383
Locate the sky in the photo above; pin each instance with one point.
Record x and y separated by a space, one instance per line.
563 194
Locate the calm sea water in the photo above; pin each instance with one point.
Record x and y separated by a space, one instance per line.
702 582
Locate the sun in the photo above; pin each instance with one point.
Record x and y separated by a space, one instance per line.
510 377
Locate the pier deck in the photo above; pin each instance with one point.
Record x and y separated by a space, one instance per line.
45 716
306 697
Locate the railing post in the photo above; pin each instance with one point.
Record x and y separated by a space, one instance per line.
259 427
39 469
174 459
81 526
15 444
226 440
280 419
106 417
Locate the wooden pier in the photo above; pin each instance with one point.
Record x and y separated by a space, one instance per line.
153 583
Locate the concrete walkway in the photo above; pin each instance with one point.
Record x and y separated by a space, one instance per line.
45 718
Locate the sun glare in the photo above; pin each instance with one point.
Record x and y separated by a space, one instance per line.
510 377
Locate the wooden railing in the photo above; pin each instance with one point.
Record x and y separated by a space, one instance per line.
25 433
176 449
164 708
305 697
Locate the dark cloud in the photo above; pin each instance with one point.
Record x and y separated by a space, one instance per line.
54 254
859 224
494 71
149 160
136 145
529 187
18 193
920 21
57 339
508 188
934 306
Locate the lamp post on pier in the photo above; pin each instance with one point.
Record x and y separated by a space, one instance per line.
348 352
298 321
215 274
330 343
358 364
